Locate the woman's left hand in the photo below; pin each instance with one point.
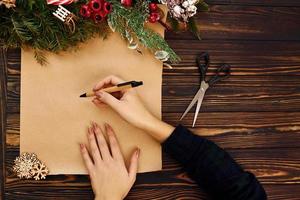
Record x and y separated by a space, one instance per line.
109 176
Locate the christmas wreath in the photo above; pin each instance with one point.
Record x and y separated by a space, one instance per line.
59 25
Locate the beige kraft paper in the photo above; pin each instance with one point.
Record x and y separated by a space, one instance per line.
54 119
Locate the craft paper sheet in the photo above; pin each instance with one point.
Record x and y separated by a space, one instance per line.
54 119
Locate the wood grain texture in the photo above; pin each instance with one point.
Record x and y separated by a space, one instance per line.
3 63
254 115
240 22
263 130
260 3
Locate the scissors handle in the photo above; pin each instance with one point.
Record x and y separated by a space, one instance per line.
203 63
222 73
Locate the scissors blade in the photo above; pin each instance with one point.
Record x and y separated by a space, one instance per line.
195 99
203 89
191 104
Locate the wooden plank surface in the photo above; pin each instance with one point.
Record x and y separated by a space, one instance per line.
3 63
255 114
239 22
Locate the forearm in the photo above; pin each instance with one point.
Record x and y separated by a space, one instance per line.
212 167
158 129
109 198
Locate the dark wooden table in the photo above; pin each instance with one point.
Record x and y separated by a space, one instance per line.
255 114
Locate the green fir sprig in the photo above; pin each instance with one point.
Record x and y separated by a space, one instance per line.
191 25
132 21
31 24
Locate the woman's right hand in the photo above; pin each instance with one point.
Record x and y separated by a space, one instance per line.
130 107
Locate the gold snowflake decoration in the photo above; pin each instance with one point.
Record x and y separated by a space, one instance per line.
40 171
27 166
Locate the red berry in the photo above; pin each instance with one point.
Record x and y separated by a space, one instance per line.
85 11
95 5
153 7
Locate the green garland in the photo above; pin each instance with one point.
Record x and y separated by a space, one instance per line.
32 24
130 23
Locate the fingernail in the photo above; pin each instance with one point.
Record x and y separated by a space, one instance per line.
108 126
138 152
99 94
90 132
106 129
81 146
93 125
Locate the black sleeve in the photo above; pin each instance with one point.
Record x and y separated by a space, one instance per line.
212 167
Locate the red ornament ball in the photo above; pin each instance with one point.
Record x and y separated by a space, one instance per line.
126 3
85 11
153 7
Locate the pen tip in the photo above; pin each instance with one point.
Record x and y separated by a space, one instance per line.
83 95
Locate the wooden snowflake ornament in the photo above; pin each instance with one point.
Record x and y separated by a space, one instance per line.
24 164
40 171
27 166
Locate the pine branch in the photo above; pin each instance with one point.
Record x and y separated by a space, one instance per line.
40 57
173 23
20 31
192 26
32 24
131 21
202 6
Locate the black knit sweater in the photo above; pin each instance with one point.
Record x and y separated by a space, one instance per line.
212 167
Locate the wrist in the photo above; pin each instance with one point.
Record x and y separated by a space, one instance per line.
158 129
107 198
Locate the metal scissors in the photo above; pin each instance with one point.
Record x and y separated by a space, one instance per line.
222 73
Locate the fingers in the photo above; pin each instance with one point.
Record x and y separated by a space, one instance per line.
113 142
86 158
108 80
97 102
101 142
100 151
108 99
93 146
133 167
